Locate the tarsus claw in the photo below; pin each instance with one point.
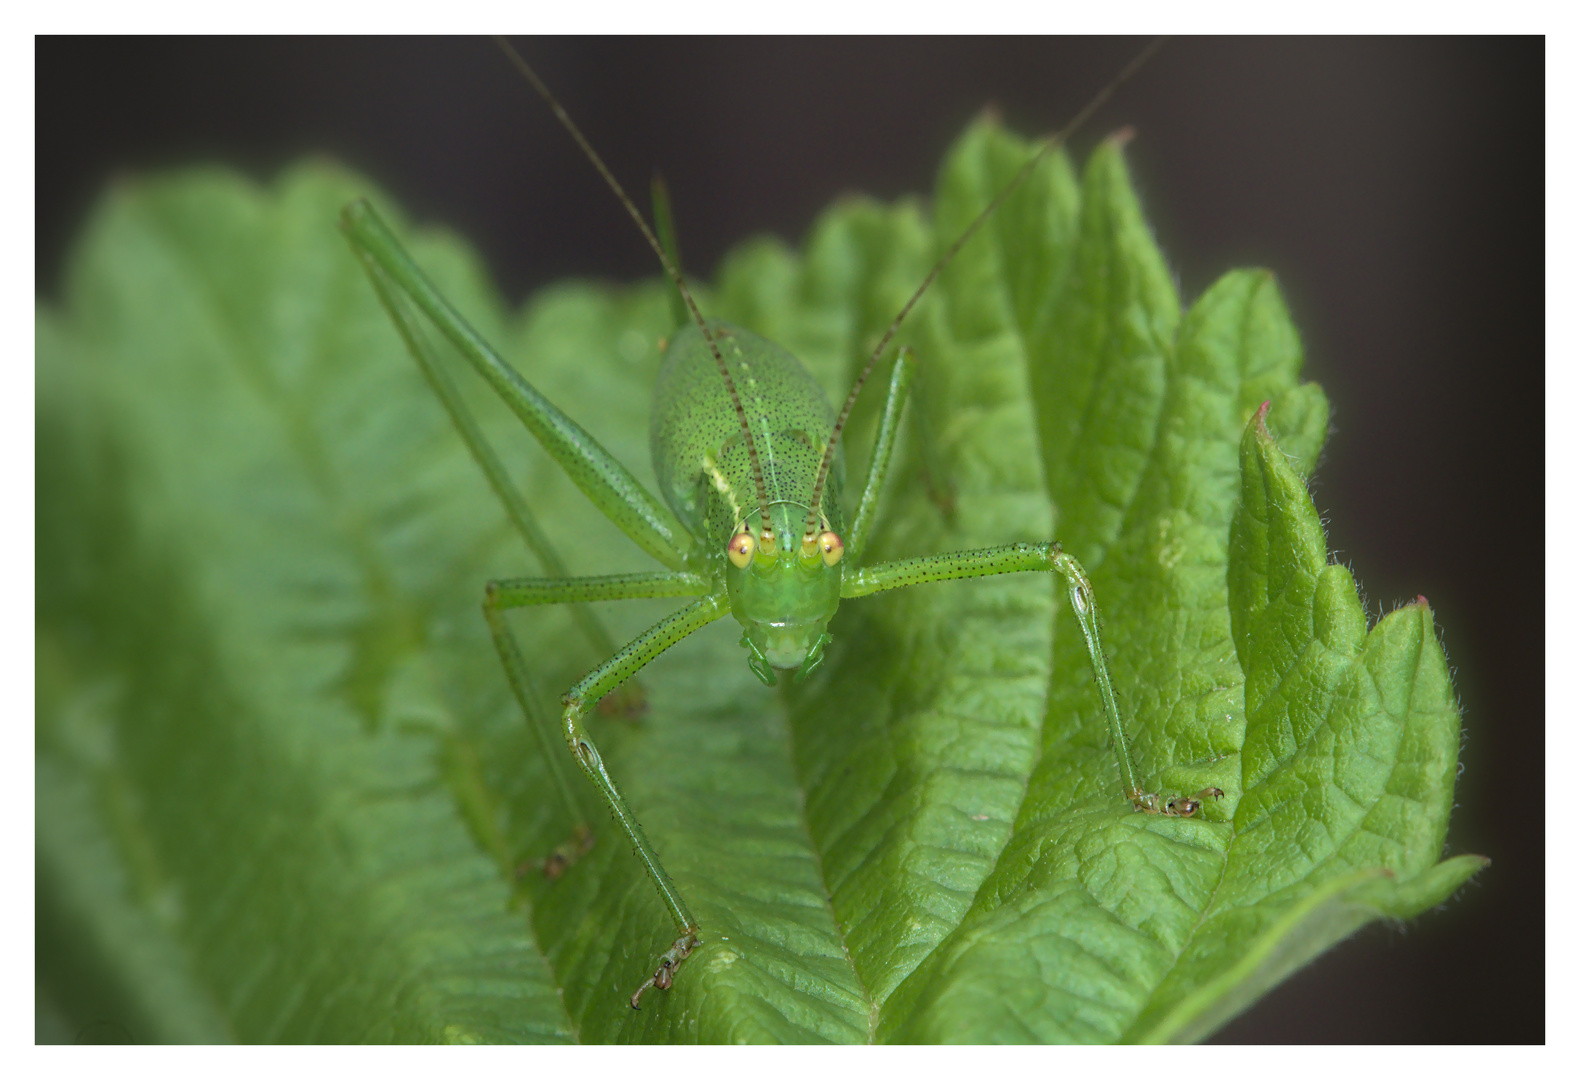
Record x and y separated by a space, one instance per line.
668 964
1179 806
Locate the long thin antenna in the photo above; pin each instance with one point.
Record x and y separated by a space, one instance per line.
669 267
1057 139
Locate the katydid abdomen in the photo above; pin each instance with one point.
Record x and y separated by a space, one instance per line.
699 456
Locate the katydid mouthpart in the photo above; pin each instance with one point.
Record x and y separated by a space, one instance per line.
750 466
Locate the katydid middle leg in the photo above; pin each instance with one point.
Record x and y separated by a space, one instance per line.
466 425
1010 558
502 595
603 679
1013 558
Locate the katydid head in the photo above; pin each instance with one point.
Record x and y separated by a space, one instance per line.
783 594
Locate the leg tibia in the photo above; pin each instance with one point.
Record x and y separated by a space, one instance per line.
591 761
646 646
530 701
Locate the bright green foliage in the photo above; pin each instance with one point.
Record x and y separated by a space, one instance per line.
282 792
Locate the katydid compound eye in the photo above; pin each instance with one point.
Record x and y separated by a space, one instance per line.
741 547
831 546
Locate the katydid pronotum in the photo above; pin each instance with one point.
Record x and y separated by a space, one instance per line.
749 460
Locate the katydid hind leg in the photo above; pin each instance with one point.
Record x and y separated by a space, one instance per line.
398 281
601 476
630 699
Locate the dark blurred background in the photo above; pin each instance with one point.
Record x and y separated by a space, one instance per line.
1395 186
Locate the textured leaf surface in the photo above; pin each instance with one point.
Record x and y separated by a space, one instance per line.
282 793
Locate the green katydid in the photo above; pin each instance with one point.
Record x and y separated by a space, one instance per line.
749 460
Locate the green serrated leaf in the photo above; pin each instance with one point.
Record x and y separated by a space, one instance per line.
1349 761
284 795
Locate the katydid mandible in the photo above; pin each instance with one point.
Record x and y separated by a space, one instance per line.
750 465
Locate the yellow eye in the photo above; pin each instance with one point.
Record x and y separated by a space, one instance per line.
741 547
831 546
